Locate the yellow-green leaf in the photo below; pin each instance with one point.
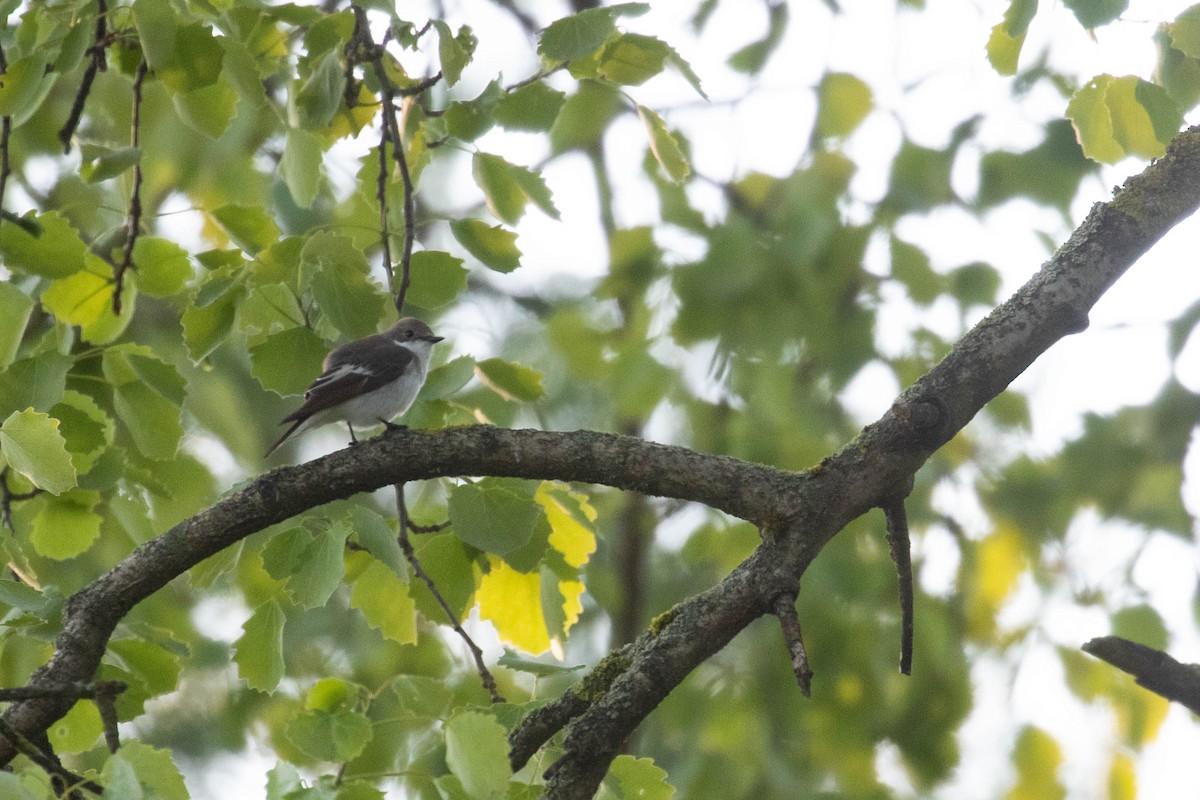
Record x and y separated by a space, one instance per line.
258 652
512 601
33 446
665 147
385 602
67 525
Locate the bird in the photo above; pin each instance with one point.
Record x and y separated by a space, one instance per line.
367 381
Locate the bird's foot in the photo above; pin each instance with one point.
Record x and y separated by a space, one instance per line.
389 426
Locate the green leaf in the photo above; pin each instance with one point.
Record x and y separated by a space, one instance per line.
753 57
631 59
153 770
511 660
376 535
67 525
32 446
1141 624
330 736
1094 13
320 95
640 778
85 428
288 361
1185 32
843 103
437 278
300 166
531 108
12 788
36 382
109 164
321 568
155 22
1008 36
86 299
146 395
454 52
336 273
511 381
385 602
258 652
469 119
1115 117
25 86
157 666
447 379
208 109
446 560
353 304
1037 757
581 34
585 116
477 754
195 60
1089 113
15 308
209 318
507 187
54 253
163 267
664 146
74 733
250 227
494 246
331 694
491 517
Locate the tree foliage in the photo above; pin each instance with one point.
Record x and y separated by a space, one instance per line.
202 198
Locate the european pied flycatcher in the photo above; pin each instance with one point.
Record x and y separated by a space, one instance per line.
368 381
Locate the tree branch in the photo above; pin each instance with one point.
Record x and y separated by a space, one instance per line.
1153 669
798 513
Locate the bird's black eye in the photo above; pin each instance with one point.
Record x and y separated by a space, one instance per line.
409 333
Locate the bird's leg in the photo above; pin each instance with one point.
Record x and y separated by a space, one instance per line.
390 426
353 438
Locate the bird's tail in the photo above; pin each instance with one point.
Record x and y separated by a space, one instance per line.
286 435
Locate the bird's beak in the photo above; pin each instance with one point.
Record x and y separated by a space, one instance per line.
434 339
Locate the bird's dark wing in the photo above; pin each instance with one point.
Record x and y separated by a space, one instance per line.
346 377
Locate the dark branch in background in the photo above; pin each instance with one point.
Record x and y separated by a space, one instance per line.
97 63
65 781
900 543
5 135
798 513
410 554
789 625
133 218
1153 669
8 497
434 528
362 49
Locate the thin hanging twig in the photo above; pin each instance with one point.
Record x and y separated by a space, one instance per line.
406 547
133 218
97 63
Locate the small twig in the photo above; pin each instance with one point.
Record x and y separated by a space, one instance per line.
105 697
5 135
362 48
133 218
434 528
789 624
489 682
901 547
385 234
537 76
73 691
97 64
8 497
46 759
